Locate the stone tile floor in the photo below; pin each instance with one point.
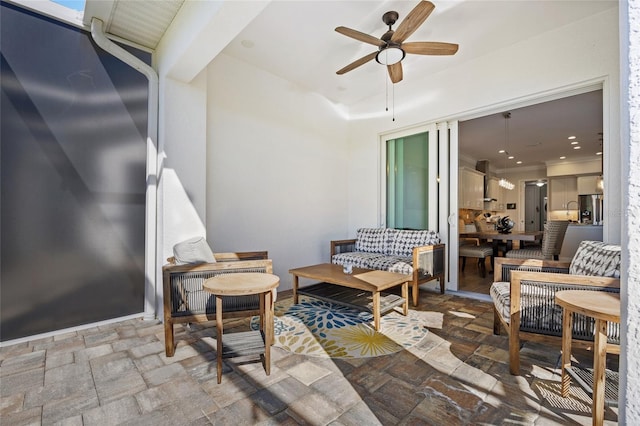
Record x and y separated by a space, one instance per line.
118 374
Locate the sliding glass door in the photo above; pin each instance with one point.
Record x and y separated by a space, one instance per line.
415 184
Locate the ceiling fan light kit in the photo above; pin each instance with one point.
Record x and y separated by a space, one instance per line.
390 55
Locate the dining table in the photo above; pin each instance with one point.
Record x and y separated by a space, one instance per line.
497 237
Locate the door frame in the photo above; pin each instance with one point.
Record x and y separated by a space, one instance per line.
382 185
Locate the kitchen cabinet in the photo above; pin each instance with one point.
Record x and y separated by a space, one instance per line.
563 190
471 189
588 185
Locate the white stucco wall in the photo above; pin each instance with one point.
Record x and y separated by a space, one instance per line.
585 51
630 125
183 158
276 168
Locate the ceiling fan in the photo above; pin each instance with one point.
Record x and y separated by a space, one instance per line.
391 46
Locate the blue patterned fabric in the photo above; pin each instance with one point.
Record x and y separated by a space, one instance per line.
596 258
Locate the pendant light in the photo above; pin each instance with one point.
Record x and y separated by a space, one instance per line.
505 183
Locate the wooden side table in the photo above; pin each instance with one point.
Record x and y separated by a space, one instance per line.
248 342
604 307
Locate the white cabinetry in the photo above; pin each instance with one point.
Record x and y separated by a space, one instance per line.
562 190
588 185
471 189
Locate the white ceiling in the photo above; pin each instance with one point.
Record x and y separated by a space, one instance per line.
295 40
537 134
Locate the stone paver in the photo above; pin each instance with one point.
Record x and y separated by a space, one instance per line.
119 374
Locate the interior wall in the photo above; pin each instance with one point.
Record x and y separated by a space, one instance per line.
277 167
580 52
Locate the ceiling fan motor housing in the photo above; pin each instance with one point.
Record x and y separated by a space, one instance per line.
390 18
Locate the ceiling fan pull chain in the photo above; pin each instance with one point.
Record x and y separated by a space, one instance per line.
386 93
393 102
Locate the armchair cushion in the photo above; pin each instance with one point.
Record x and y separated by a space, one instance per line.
193 251
596 258
500 294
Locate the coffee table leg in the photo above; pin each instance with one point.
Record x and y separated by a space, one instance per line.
376 310
405 296
295 289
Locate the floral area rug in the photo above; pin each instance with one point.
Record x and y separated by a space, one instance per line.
322 329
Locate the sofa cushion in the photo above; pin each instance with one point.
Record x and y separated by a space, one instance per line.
596 258
356 259
373 240
397 264
406 240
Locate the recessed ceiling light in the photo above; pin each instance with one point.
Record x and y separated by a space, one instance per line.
575 143
510 157
576 147
518 162
571 138
501 151
563 157
599 153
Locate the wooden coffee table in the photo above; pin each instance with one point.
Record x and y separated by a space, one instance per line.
361 279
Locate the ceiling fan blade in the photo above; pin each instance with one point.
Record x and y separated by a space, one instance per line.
430 48
357 63
395 72
412 21
366 38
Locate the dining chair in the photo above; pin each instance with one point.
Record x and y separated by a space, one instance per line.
551 246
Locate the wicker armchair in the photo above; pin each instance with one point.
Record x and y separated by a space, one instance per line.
185 301
524 297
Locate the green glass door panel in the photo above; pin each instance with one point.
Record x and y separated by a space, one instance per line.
407 182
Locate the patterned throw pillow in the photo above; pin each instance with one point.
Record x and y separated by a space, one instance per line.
596 258
406 240
371 240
